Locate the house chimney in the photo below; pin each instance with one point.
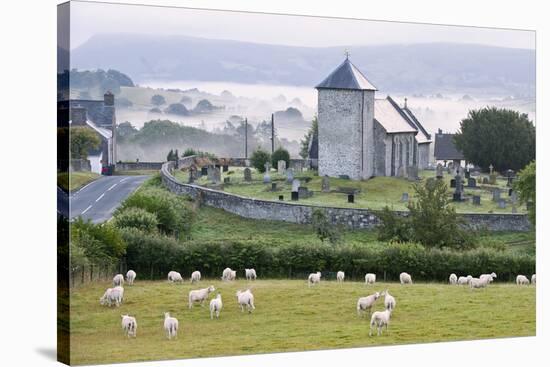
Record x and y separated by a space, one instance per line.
109 99
405 103
439 131
78 115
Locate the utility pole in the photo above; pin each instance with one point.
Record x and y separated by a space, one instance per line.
246 138
272 134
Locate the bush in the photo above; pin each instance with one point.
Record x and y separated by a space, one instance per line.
280 155
393 227
323 228
96 243
136 218
526 185
259 158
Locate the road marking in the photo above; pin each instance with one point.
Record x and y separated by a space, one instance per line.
124 179
85 210
99 198
112 187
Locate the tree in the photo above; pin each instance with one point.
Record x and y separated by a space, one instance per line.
177 109
323 228
82 140
526 187
158 100
501 137
313 130
259 158
280 154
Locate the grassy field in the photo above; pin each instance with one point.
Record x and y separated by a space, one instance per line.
375 193
75 180
289 316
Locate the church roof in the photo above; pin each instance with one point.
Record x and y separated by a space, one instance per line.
388 114
346 76
422 136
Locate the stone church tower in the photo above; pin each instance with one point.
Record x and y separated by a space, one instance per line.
346 124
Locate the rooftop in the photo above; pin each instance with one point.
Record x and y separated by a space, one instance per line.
346 76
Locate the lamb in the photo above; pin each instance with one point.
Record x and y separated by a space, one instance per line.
246 298
480 283
405 278
216 306
453 279
488 277
389 300
380 319
229 274
174 276
464 280
129 325
232 275
195 276
534 279
340 276
118 280
171 325
112 296
522 280
370 278
250 274
314 278
366 303
130 277
200 295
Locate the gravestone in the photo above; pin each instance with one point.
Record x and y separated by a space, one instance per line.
457 195
439 171
281 198
192 174
496 195
289 175
267 167
412 172
294 196
351 198
502 204
247 174
325 184
225 168
226 180
281 167
476 200
493 179
405 197
298 167
273 186
491 169
295 185
204 171
267 177
453 183
216 176
514 197
467 174
472 182
210 171
303 192
485 181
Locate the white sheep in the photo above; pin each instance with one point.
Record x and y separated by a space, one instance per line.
488 277
226 273
195 276
370 278
389 300
171 326
464 280
340 276
453 278
216 306
366 303
200 295
250 274
118 280
405 278
534 278
112 296
130 277
246 298
174 276
232 275
380 319
129 325
479 283
314 278
522 280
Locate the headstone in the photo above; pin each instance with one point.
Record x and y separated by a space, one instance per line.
325 184
298 166
210 171
453 183
351 198
496 195
247 174
267 177
281 198
472 182
514 197
216 176
502 204
192 174
281 167
491 169
226 180
457 196
303 192
439 171
295 185
485 181
476 200
405 197
225 168
493 179
467 174
204 171
294 196
289 175
412 172
267 166
273 186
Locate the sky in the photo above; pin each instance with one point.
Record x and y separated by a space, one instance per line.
88 19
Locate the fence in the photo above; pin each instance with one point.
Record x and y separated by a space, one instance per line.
93 273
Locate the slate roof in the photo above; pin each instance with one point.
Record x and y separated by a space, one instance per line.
445 149
346 76
388 114
100 114
422 136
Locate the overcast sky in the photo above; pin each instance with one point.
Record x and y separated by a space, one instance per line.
88 19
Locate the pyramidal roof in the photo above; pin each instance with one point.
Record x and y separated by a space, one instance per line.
346 76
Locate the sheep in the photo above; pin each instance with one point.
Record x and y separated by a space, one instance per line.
118 280
106 298
216 306
366 303
534 279
246 298
522 280
380 319
370 278
226 274
129 325
405 278
200 295
195 276
232 275
453 279
250 274
174 276
112 296
130 277
389 300
171 325
479 283
314 278
340 276
464 280
488 277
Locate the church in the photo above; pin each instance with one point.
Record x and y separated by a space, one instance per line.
361 136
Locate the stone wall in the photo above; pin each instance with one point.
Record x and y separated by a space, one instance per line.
78 165
138 166
300 213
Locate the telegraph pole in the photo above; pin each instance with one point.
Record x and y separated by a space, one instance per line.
246 138
272 134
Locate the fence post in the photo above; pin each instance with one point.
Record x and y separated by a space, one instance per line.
384 275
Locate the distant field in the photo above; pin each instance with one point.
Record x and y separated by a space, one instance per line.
375 193
289 316
75 180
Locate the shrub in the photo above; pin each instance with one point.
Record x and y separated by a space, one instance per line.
136 218
280 154
526 186
259 158
97 243
323 228
393 227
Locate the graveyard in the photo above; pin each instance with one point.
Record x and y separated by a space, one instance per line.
478 193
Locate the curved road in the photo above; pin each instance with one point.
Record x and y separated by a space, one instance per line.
99 199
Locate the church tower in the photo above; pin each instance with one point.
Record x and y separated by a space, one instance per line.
345 109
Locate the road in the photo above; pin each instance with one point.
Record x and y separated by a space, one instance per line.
99 199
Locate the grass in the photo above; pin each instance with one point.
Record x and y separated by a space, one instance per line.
75 180
289 317
143 172
375 193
